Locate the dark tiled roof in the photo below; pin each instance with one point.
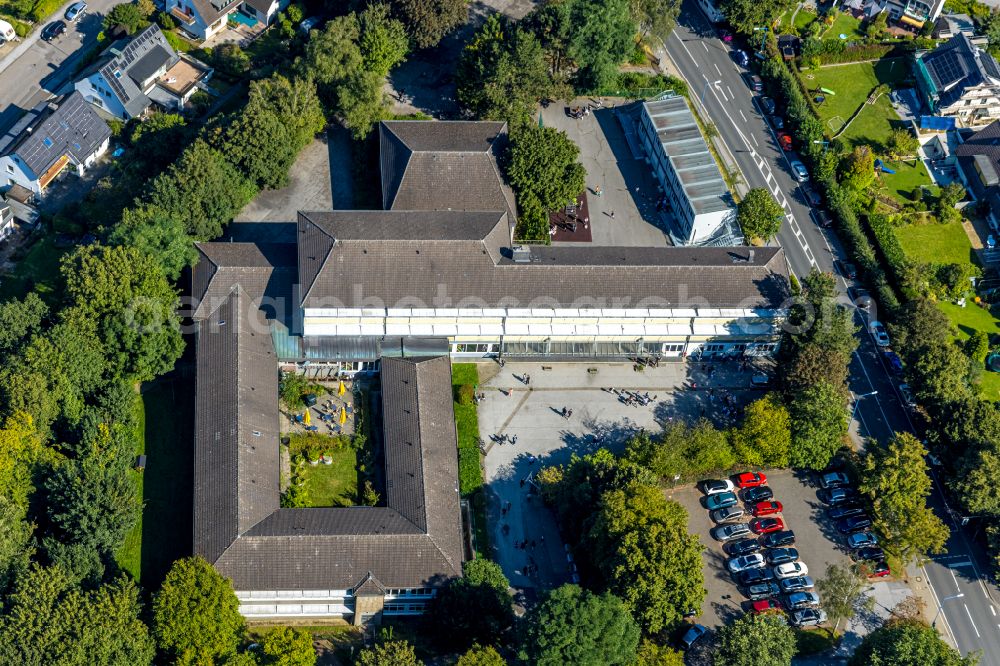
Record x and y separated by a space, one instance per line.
261 6
127 64
429 165
212 10
149 64
957 65
477 269
260 269
69 127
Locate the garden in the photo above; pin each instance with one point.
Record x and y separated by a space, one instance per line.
465 381
325 471
852 84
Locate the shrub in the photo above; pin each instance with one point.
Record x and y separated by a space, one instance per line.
470 473
231 60
44 9
166 21
465 394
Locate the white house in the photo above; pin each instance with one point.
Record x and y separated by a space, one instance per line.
141 71
202 18
960 80
265 11
51 137
6 219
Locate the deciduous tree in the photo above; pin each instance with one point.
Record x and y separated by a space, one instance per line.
901 143
383 39
196 614
601 39
428 21
763 439
574 626
287 646
542 162
21 318
857 169
745 15
896 482
158 234
652 654
755 639
682 449
655 18
819 425
475 608
389 653
478 655
759 214
907 643
127 15
843 591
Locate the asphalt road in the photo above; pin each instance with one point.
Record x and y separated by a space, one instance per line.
43 68
706 62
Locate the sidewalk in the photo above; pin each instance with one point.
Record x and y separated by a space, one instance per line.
31 39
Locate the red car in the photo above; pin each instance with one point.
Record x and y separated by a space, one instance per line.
751 480
785 141
766 525
766 606
766 508
880 570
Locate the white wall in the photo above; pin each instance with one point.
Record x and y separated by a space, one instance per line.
12 171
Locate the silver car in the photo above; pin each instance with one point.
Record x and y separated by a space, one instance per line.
744 562
799 171
727 515
799 600
730 532
75 11
809 617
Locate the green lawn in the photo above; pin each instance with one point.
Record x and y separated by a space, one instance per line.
129 557
802 20
335 484
853 84
39 270
974 318
908 176
844 24
470 473
167 483
935 243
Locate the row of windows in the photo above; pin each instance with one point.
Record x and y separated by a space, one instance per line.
408 591
390 609
480 347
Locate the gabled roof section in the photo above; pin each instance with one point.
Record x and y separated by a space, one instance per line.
260 269
52 130
127 65
959 64
443 165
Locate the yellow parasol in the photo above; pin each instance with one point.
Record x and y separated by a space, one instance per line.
343 416
307 418
340 389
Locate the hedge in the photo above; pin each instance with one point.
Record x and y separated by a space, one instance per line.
21 29
43 9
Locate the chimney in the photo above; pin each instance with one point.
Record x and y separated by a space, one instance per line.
521 254
750 256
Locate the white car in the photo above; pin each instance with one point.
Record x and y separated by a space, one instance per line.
790 570
879 333
744 562
716 486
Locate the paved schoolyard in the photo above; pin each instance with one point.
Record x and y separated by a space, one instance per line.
532 413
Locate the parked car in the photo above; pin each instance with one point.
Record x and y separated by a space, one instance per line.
834 480
754 82
731 531
785 140
782 555
75 11
744 547
853 524
847 269
727 515
763 591
754 576
861 298
880 570
861 540
893 361
725 35
991 242
716 486
757 494
777 122
797 600
751 480
692 635
53 30
837 496
767 525
765 606
879 333
766 508
767 104
760 380
721 501
791 569
871 553
799 171
809 617
776 539
744 562
907 395
846 511
741 58
797 584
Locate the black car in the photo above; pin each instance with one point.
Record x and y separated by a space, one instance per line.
847 269
777 539
53 30
743 547
767 104
869 553
763 591
854 524
757 494
781 555
754 576
838 496
846 511
777 122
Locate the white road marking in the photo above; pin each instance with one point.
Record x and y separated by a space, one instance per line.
754 139
955 578
705 44
965 563
742 116
731 94
716 67
994 611
971 621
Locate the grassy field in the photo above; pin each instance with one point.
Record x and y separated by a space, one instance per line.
167 482
129 557
802 20
908 176
974 318
39 269
853 84
844 24
335 484
470 472
936 243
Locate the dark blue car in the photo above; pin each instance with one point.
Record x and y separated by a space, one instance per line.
894 362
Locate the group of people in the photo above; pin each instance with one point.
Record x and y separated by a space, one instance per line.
504 438
566 413
633 398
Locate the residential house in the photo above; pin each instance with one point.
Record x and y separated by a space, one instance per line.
979 159
6 218
202 18
141 71
949 25
960 80
265 11
910 13
54 135
703 211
